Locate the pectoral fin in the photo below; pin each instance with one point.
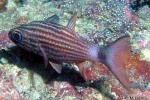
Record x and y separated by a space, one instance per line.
57 67
44 57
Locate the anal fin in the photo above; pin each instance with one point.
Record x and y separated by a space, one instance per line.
57 67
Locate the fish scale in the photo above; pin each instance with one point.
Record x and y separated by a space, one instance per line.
62 44
48 33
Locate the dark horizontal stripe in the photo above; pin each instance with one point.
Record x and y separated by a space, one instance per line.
63 47
64 32
63 52
58 43
53 40
51 48
53 27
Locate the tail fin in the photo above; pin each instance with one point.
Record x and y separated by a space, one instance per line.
114 57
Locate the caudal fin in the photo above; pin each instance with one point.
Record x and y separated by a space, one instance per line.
115 56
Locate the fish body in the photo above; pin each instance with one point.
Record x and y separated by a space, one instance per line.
60 44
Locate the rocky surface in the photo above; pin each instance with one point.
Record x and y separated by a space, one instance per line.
23 77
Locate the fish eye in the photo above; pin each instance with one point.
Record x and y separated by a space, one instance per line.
17 36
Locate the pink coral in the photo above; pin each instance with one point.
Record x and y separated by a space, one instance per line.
7 90
143 41
140 44
4 39
143 45
127 1
129 16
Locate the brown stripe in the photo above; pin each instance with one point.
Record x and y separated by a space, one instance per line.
62 46
50 40
53 27
62 30
56 40
63 52
58 56
76 55
30 40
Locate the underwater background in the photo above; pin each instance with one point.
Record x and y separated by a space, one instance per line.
23 75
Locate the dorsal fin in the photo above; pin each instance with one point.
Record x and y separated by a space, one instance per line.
72 22
53 19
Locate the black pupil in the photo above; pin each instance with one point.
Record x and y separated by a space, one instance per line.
16 36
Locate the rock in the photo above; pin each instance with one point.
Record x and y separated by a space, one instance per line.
3 60
3 4
20 20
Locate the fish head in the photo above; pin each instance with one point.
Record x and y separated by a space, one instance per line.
22 38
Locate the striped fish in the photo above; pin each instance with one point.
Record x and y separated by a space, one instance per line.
60 44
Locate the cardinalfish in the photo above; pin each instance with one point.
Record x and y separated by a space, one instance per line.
59 44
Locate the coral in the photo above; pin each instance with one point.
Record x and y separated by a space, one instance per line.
138 68
20 20
144 15
129 16
140 95
142 41
111 19
7 89
20 2
4 40
92 9
141 67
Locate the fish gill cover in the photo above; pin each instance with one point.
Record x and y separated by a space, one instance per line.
101 21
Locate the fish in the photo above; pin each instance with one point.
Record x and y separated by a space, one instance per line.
59 44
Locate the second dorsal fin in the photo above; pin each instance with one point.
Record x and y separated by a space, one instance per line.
72 22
